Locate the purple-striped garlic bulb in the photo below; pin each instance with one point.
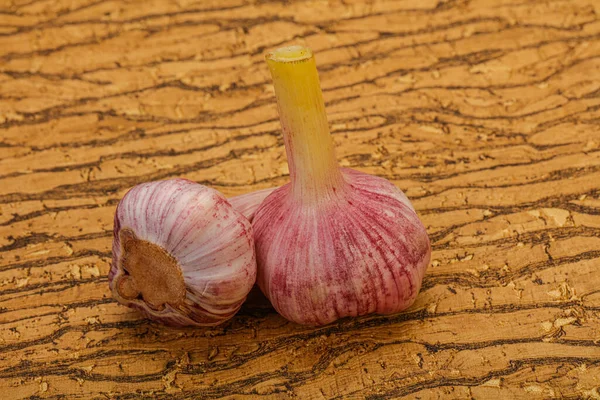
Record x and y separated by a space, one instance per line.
182 255
333 242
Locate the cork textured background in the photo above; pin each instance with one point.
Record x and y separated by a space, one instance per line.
485 112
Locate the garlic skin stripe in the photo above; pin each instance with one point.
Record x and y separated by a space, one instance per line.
334 242
182 255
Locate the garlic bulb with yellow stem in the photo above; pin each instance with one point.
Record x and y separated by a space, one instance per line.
182 255
334 242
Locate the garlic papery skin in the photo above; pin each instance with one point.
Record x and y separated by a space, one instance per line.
182 255
334 242
248 203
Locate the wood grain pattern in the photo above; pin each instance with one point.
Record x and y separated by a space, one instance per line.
485 112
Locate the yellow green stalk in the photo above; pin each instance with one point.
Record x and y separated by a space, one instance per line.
314 170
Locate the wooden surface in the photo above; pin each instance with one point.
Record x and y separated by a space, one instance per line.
486 112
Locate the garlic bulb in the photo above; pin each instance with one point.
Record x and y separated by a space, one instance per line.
248 203
333 242
181 254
